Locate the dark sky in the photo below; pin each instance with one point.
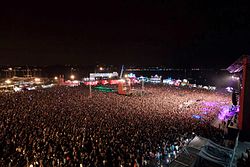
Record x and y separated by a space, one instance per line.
175 33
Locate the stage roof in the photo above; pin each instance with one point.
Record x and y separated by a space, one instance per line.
200 150
237 65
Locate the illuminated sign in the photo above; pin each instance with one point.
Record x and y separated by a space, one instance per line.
155 79
103 75
131 75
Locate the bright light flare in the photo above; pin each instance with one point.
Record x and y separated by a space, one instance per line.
37 79
56 78
72 77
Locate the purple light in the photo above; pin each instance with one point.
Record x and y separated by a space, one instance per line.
210 104
205 109
227 112
223 113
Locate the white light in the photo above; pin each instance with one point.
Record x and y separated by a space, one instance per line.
75 82
101 68
56 78
37 79
235 78
171 82
126 75
205 87
31 88
72 77
229 89
47 86
17 89
122 80
8 81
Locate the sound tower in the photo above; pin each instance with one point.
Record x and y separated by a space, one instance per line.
244 114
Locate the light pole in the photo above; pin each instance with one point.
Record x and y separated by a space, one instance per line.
90 90
142 86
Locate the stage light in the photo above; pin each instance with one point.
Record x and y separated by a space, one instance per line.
235 78
56 78
101 68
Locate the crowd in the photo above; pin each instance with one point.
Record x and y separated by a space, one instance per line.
63 126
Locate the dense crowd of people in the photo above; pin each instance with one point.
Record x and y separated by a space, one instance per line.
63 126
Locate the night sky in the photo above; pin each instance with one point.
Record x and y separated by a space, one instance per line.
174 33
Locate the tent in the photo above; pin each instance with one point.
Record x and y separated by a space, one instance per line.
211 154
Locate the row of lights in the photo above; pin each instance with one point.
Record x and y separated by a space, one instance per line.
71 77
235 78
8 81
